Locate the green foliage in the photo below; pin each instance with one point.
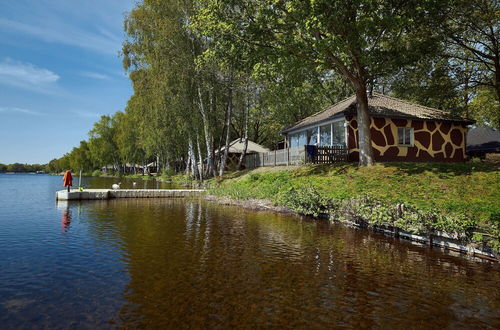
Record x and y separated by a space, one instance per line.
282 61
307 201
97 173
101 145
21 168
431 82
485 108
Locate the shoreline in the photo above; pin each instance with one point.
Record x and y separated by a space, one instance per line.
436 239
354 216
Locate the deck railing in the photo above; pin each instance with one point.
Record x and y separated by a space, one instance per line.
328 155
297 156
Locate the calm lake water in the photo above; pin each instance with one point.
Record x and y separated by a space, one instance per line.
160 263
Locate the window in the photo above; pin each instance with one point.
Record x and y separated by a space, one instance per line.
338 133
325 135
312 136
293 140
405 136
301 139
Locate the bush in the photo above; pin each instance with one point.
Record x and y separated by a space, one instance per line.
307 201
97 173
369 211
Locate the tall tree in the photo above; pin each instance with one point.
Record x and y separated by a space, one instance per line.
102 144
474 28
360 40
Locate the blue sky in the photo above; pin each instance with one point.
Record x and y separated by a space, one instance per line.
60 70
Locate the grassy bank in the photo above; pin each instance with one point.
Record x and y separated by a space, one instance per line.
460 198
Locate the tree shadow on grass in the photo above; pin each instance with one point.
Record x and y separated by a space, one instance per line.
319 169
442 168
408 168
228 175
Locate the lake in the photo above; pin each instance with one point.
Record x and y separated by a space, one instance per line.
171 263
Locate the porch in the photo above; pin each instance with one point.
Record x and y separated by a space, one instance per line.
307 154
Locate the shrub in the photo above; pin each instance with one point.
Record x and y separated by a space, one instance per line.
97 173
307 201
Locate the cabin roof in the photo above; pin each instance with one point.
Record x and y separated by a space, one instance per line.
237 146
380 105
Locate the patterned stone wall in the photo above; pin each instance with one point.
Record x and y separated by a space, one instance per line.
433 140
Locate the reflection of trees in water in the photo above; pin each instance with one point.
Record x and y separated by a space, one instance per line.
204 265
126 183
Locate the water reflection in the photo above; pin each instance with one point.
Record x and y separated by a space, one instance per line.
126 183
194 264
66 219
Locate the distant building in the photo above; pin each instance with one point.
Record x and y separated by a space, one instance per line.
236 148
400 130
482 141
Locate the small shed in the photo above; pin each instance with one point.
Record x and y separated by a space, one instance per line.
236 148
482 141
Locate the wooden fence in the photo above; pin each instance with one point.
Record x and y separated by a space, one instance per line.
297 156
327 155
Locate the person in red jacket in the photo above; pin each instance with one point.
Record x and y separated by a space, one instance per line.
68 179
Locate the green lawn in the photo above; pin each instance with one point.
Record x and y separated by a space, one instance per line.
471 188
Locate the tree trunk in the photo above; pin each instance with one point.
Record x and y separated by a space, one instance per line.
228 125
188 163
206 131
157 165
245 137
200 157
364 136
192 160
496 76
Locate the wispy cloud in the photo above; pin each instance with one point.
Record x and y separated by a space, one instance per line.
66 34
94 75
27 76
93 25
26 72
20 110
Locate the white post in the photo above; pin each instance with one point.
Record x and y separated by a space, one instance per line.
346 132
80 180
331 134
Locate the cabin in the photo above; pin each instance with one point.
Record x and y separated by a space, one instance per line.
400 131
482 141
235 150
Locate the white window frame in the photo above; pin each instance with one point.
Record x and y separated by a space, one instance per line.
412 138
318 125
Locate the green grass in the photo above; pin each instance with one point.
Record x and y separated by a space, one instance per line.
458 188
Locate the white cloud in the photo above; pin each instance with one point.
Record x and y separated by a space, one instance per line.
27 76
60 32
94 75
94 25
26 72
20 110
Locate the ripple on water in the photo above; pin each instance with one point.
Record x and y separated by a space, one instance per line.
174 263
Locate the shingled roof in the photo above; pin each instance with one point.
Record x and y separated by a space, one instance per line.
380 105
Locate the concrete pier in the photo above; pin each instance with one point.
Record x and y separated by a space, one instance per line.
101 194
